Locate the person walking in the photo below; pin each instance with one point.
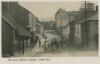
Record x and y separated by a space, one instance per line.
39 42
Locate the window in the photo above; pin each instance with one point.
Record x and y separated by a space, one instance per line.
75 30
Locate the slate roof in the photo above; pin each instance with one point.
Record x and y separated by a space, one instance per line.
90 16
93 16
20 29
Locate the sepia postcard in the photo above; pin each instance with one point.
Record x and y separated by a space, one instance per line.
47 31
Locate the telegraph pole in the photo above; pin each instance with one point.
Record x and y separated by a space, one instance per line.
86 25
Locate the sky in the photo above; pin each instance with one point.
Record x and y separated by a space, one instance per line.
47 10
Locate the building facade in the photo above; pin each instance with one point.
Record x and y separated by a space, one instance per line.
93 30
22 24
86 30
14 37
62 20
77 35
79 28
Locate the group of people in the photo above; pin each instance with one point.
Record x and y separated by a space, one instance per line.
55 45
42 41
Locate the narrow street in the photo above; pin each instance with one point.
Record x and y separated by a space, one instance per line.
38 51
56 31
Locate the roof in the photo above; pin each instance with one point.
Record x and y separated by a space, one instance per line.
93 17
75 13
20 29
60 10
90 16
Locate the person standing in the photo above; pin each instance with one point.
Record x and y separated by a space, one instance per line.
45 37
